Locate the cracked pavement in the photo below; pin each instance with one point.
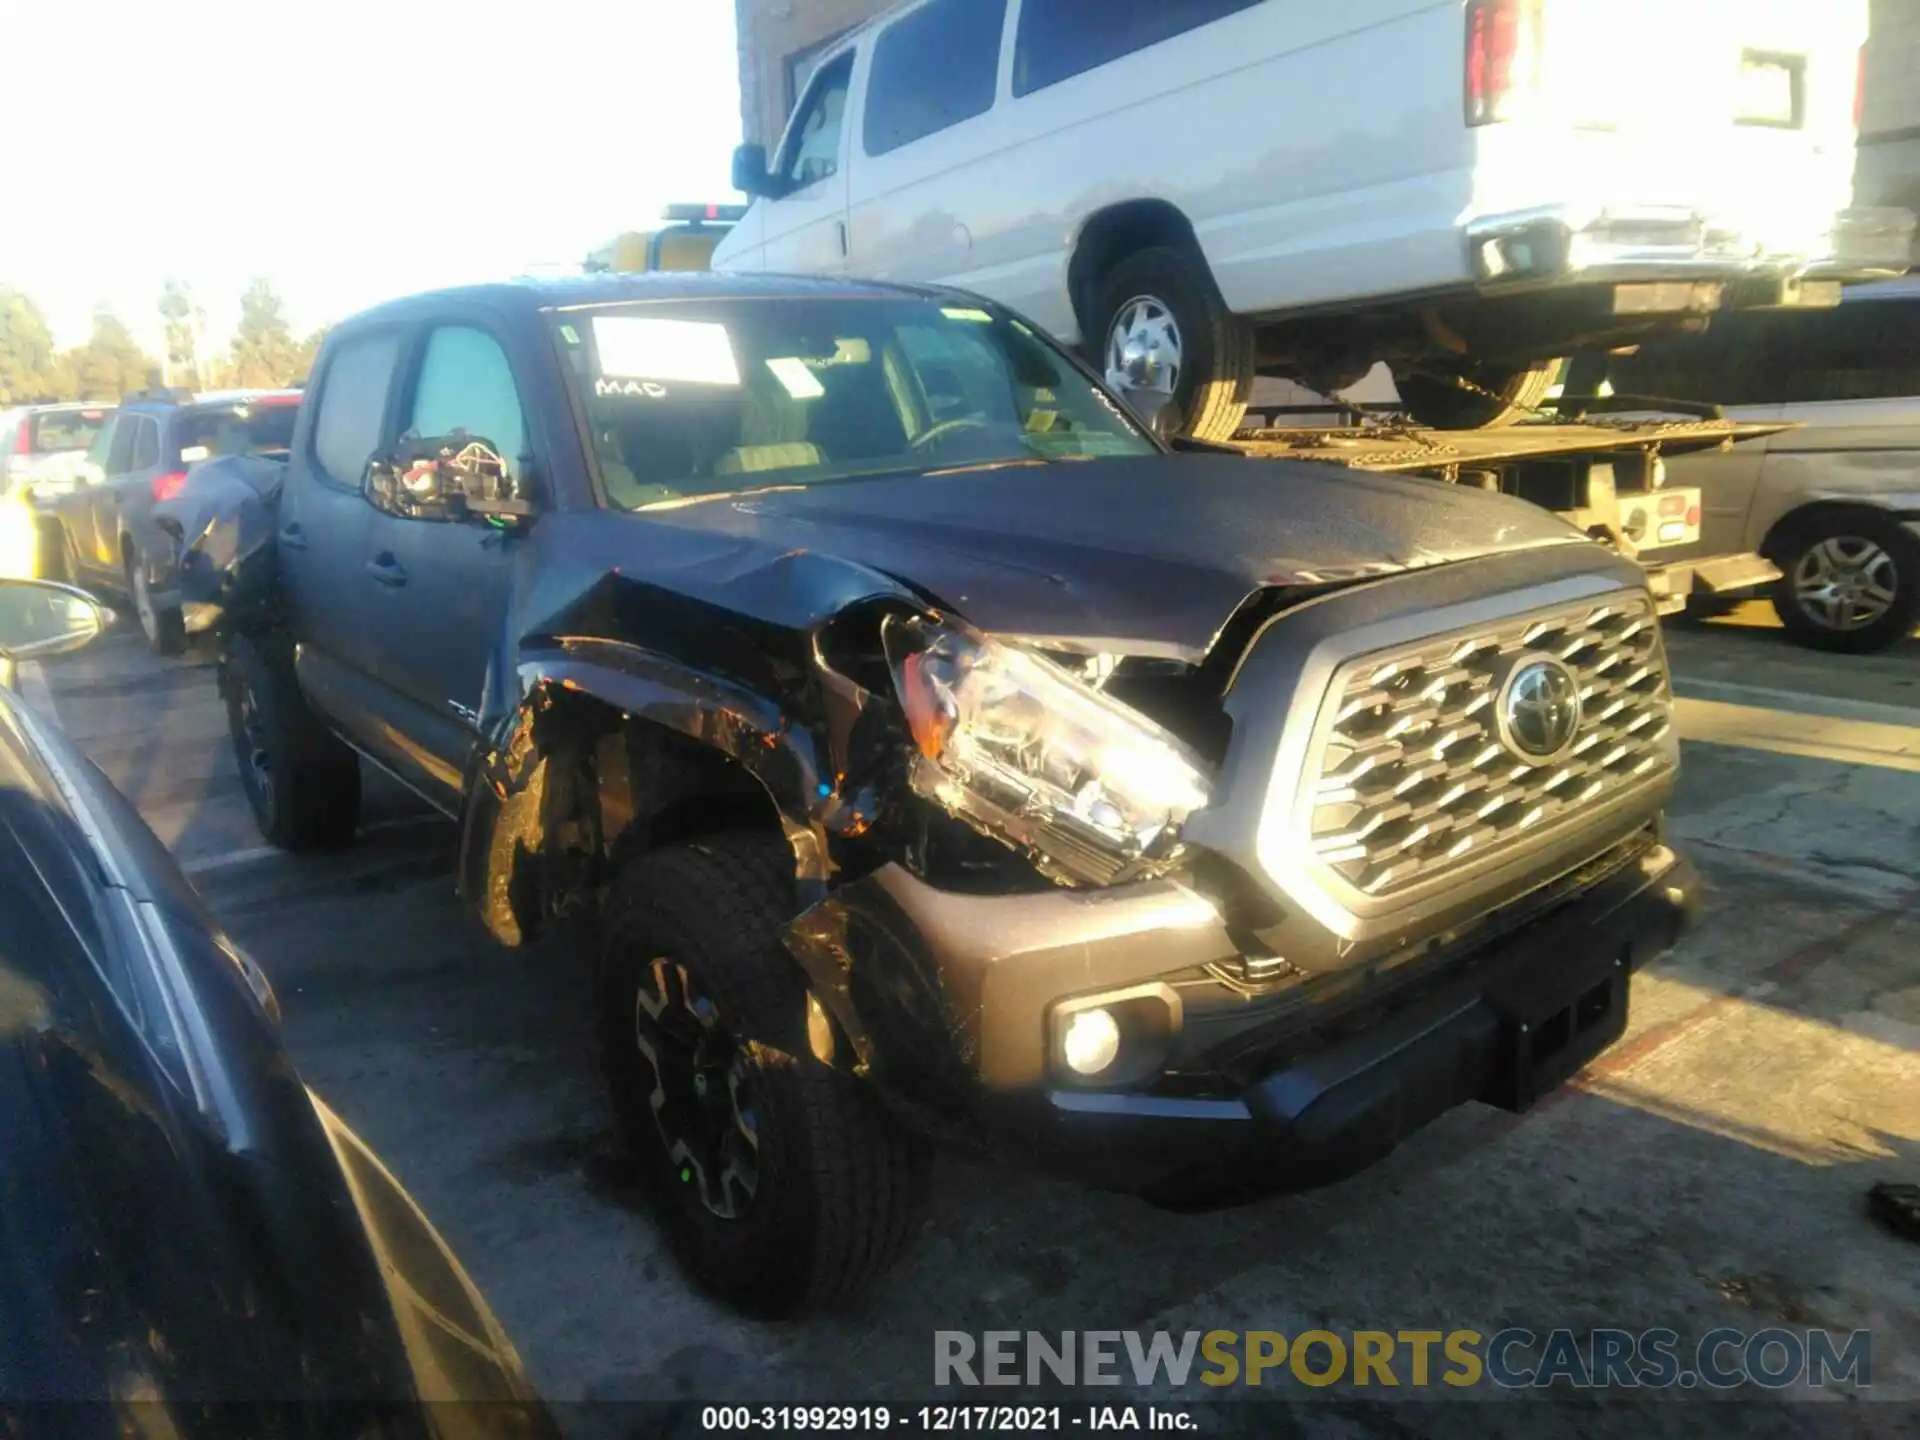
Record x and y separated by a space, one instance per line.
1707 1171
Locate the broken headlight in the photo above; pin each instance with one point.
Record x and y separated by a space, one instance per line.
1020 749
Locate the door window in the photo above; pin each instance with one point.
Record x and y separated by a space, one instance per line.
1063 38
933 68
353 405
120 447
1861 350
466 384
813 144
146 445
1735 361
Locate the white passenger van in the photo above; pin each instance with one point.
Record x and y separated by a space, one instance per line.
1197 191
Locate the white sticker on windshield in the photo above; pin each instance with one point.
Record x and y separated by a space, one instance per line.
796 377
697 352
978 317
191 453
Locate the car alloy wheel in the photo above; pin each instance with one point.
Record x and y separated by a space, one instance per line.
143 599
702 1098
1145 352
1846 582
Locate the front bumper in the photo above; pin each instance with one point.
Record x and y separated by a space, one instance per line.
951 1003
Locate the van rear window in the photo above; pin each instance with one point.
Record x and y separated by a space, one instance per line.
1063 38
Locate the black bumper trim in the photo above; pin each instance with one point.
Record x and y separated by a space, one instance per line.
1538 1006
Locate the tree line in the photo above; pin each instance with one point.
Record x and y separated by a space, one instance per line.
111 365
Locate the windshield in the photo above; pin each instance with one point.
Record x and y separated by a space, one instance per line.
703 398
60 431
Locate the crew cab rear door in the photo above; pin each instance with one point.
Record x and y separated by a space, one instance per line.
324 516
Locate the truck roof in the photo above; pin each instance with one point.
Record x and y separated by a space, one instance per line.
563 292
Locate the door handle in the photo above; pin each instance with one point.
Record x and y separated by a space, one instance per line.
384 568
843 239
292 536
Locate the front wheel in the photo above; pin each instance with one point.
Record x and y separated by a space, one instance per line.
1850 581
1165 337
783 1185
1471 395
302 783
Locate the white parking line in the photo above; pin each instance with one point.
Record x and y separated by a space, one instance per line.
1800 702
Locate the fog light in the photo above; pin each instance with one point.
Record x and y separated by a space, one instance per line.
1091 1042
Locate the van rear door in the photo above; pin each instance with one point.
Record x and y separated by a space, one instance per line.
1743 110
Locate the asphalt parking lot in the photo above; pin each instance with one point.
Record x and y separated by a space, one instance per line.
1708 1171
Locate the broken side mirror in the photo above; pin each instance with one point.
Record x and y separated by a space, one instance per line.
450 477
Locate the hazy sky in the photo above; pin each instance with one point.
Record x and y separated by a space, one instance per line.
350 150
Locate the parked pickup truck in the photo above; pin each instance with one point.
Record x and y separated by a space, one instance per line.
929 752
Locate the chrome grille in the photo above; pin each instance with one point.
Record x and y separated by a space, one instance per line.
1412 777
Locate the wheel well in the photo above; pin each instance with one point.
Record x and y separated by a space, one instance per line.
618 782
1809 517
1110 235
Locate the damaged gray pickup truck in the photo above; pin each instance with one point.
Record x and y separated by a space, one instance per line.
933 755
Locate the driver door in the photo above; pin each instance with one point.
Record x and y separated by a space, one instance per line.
442 584
806 228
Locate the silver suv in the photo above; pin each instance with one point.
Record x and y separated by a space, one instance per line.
1835 503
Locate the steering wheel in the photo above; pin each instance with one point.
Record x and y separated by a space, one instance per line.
949 427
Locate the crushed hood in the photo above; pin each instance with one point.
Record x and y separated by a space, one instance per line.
1152 555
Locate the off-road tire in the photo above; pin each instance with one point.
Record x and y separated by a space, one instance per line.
1798 535
841 1186
309 798
1498 395
1217 370
164 626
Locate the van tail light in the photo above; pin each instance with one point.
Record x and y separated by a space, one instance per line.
1860 91
166 486
22 456
1503 58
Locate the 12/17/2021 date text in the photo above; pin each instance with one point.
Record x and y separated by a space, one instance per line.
942 1419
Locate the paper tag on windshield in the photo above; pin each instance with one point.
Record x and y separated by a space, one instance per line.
797 378
696 352
191 453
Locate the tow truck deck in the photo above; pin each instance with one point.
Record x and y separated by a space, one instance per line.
1604 474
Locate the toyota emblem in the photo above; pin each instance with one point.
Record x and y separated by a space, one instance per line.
1539 709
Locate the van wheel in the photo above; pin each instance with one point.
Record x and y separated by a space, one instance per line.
1849 581
163 625
783 1185
302 783
1471 395
1164 334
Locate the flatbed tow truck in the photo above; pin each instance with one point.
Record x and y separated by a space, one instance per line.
1604 473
